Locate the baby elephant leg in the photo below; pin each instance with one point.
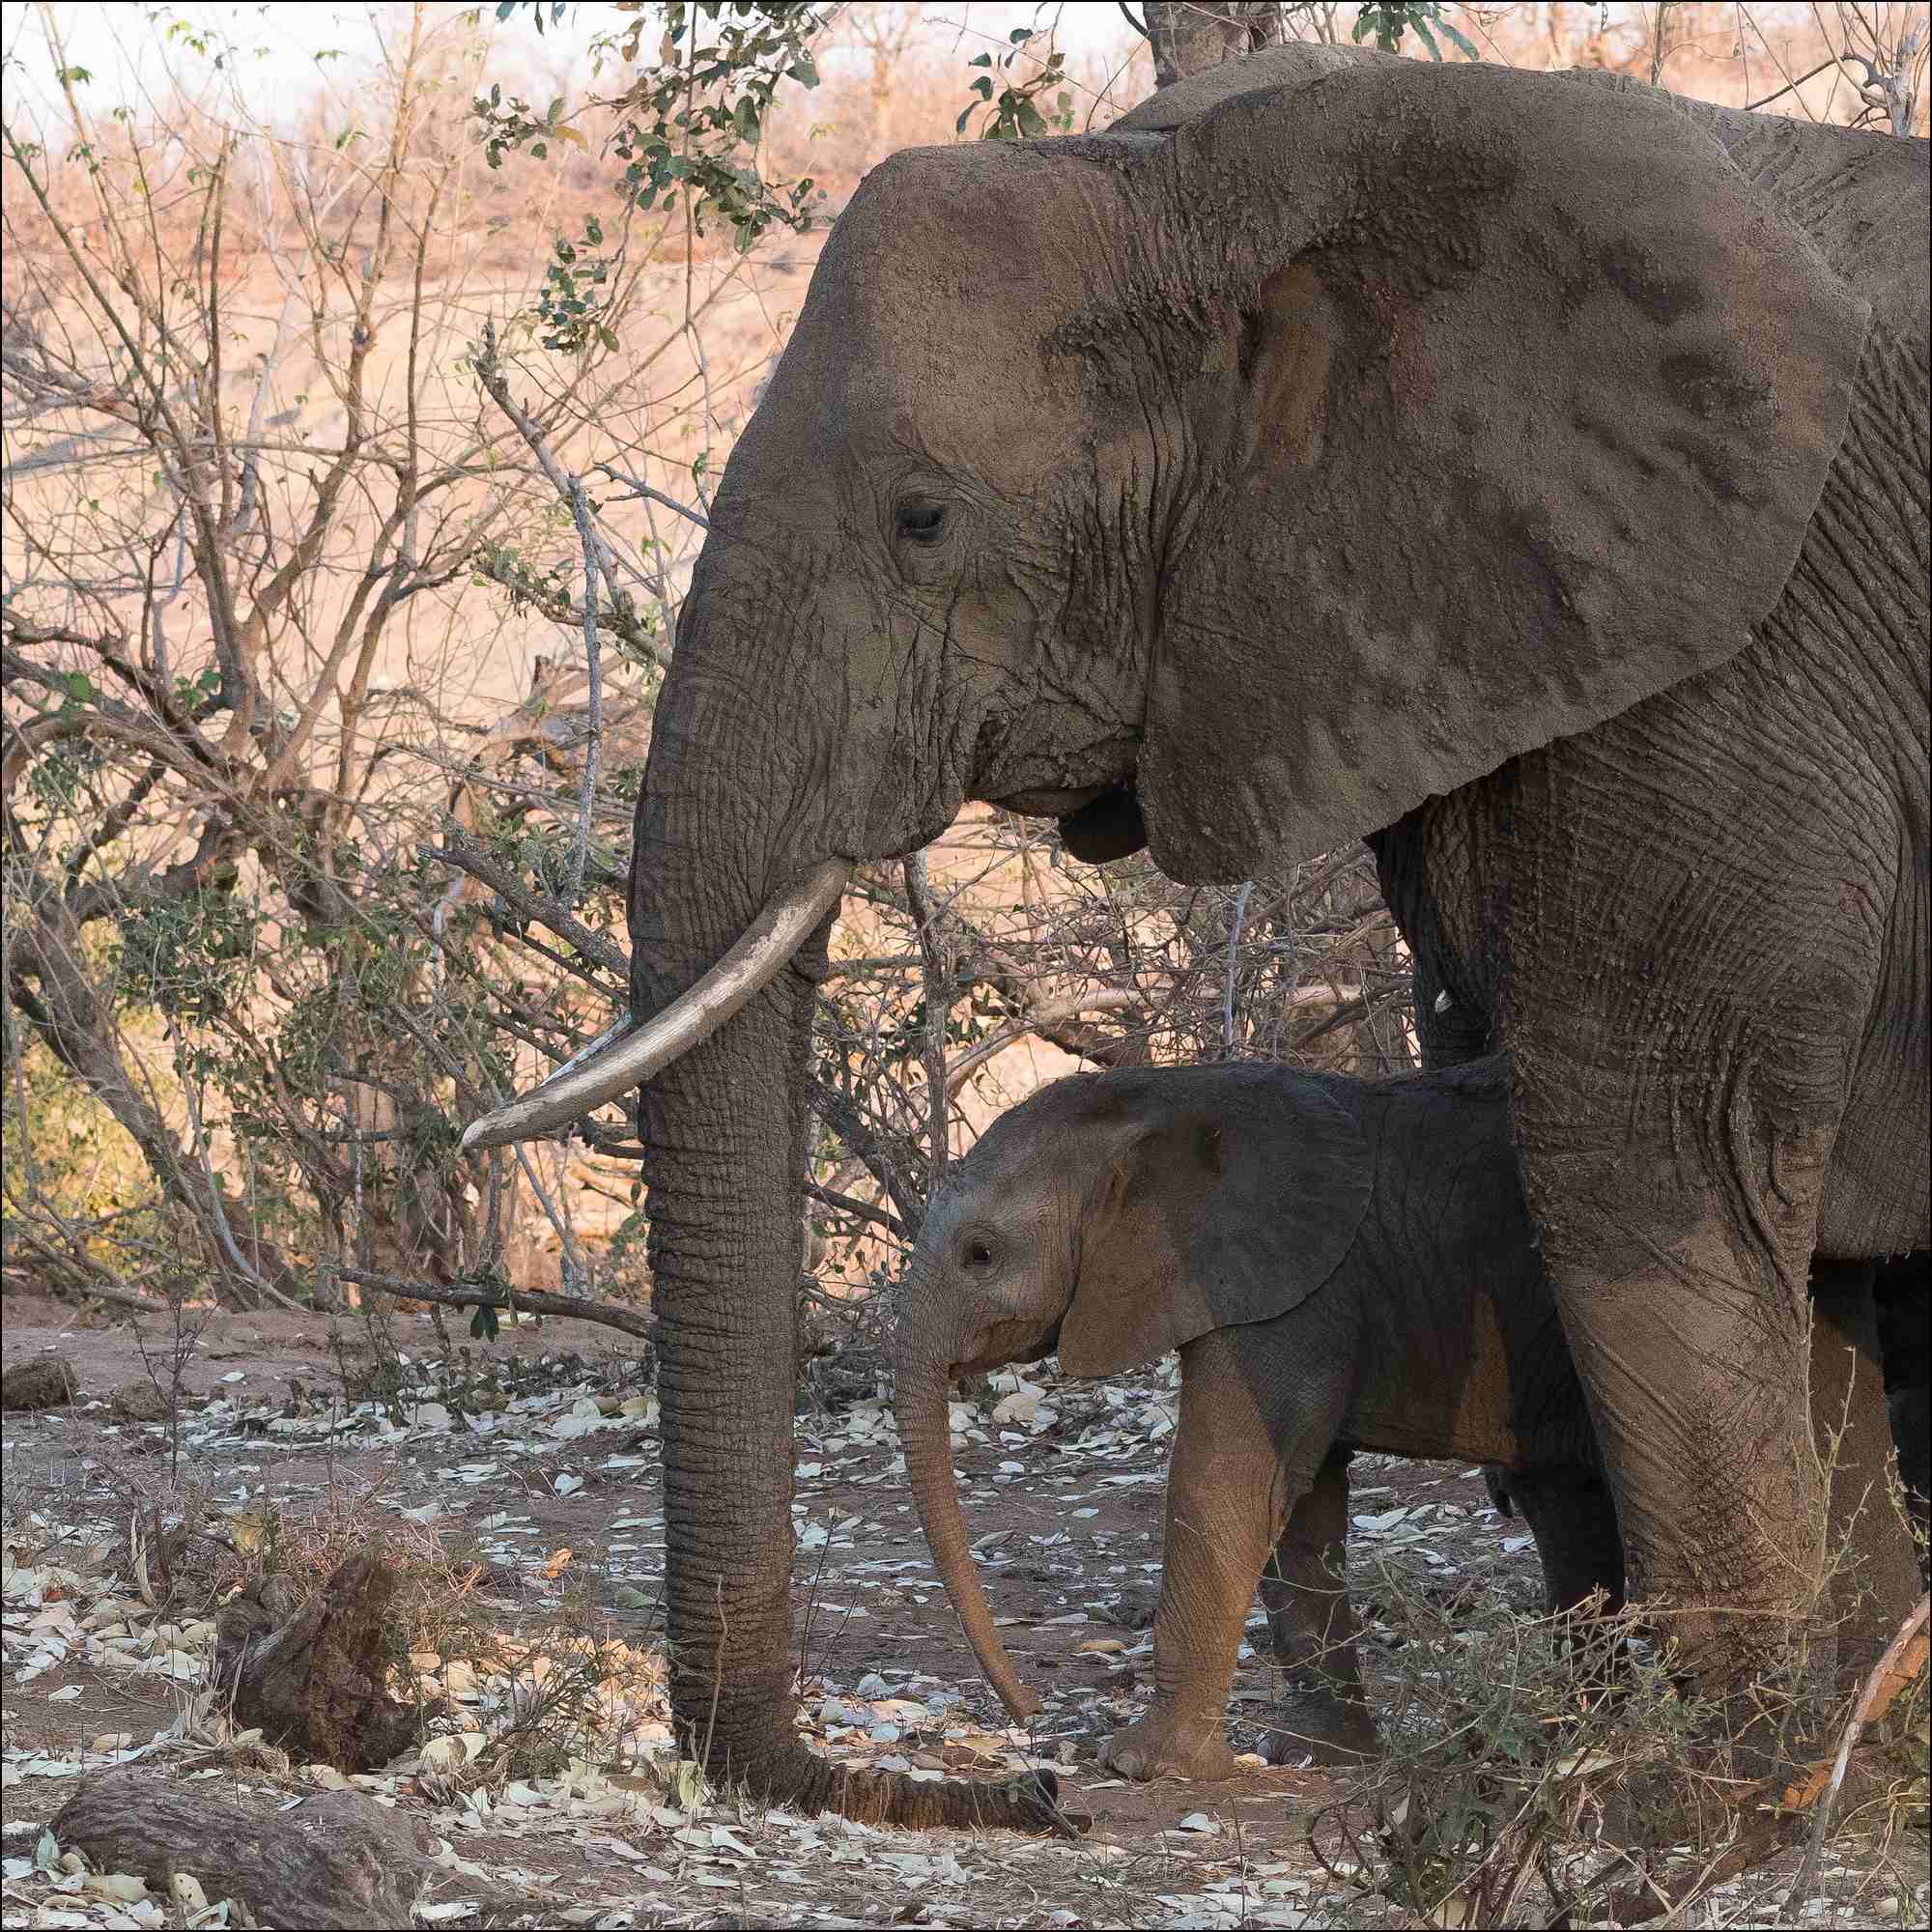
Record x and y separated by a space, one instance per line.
1573 1519
1304 1589
1313 1627
1226 1497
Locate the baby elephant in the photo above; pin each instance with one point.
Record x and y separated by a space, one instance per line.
1342 1264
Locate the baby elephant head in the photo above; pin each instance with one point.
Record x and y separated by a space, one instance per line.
1114 1217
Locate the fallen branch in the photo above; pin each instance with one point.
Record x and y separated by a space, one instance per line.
512 1300
17 1282
1903 1660
338 1862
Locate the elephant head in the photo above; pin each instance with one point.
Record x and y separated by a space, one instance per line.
1236 481
1113 1217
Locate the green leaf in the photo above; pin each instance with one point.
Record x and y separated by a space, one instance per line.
980 60
483 1323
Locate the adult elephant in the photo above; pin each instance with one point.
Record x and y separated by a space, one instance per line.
1528 473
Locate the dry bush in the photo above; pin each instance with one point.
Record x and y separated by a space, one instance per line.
1516 1789
317 770
276 446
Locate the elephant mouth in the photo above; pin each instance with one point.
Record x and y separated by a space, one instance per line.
1050 802
1097 822
1001 1347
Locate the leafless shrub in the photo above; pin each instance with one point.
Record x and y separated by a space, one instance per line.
1563 1770
334 603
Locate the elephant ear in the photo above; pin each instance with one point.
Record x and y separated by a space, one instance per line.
1516 399
1214 1215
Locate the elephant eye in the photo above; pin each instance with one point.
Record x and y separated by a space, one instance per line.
922 522
977 1252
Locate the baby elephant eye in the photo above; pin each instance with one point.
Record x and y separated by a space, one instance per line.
977 1253
922 520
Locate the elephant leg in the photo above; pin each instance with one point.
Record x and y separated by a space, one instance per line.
1312 1626
1573 1519
1228 1498
1680 1270
1903 1292
1877 1581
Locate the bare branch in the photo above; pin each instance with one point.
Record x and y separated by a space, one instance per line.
513 1301
937 979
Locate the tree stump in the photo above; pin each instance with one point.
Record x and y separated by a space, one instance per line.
44 1382
337 1861
316 1682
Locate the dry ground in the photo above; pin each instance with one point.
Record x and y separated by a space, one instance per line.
546 1476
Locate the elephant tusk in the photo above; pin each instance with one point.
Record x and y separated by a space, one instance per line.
629 1053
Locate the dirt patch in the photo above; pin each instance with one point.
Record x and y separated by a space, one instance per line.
536 1463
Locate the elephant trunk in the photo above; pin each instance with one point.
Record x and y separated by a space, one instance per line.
925 1434
724 1131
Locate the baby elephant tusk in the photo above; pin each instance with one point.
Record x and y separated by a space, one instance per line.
629 1053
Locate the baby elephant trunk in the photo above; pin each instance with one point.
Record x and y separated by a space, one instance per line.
926 1435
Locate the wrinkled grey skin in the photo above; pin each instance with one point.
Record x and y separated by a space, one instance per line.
1342 1264
1529 474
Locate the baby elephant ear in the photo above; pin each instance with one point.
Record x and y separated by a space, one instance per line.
1289 1202
1219 1215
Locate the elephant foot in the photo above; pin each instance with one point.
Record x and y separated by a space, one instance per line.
1319 1725
1158 1747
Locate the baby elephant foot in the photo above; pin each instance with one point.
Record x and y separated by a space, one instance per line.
1330 1729
1158 1747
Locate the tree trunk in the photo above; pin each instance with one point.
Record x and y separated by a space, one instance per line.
316 1682
337 1861
1190 34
